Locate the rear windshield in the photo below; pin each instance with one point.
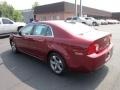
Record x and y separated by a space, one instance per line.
75 27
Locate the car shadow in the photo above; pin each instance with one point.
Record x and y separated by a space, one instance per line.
2 37
38 76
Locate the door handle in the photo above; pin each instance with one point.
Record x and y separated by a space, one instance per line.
34 39
41 40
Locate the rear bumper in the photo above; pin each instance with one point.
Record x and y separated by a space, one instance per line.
95 61
92 62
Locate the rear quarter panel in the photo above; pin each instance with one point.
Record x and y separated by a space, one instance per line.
68 45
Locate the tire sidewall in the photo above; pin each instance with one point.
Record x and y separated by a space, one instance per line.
14 51
63 62
94 23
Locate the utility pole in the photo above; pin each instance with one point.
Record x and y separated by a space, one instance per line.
81 8
75 8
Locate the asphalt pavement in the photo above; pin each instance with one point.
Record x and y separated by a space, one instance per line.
22 72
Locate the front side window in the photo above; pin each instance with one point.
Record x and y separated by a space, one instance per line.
27 30
68 18
42 30
6 21
75 18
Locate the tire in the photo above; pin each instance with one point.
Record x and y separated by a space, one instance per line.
19 28
57 63
94 24
13 46
83 22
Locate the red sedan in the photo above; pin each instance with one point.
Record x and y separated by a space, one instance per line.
64 45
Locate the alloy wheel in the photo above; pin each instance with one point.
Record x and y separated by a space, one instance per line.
13 46
56 64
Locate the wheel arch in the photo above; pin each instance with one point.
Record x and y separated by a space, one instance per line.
11 40
19 27
84 22
58 52
53 51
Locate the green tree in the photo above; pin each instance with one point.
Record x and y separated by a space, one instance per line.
9 12
17 16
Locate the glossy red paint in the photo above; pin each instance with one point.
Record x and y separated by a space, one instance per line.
73 48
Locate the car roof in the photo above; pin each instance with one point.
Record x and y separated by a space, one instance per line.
71 27
58 22
54 22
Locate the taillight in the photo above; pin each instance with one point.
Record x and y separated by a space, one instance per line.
93 48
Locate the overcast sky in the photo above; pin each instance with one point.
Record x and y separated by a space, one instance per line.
107 5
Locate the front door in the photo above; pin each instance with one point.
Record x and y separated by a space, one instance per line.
23 40
39 40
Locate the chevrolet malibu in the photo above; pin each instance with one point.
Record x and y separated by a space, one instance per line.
65 46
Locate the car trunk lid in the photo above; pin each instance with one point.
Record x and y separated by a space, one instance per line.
99 40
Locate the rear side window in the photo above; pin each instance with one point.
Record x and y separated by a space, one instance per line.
48 32
6 21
